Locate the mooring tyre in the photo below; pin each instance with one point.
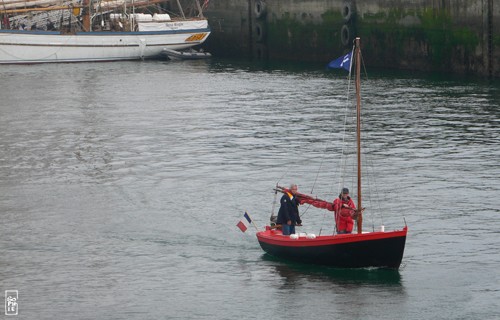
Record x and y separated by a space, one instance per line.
260 9
345 35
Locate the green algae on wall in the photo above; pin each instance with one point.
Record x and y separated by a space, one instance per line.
496 40
444 37
450 35
431 33
304 37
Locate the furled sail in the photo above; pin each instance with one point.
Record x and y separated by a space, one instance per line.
97 5
24 4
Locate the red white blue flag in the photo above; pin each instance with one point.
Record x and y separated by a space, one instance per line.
244 223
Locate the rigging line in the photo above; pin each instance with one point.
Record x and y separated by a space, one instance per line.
363 63
290 164
274 204
345 117
370 178
343 157
321 163
327 143
348 167
377 195
303 214
331 134
287 169
322 223
278 182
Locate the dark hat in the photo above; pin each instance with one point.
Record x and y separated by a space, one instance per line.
345 190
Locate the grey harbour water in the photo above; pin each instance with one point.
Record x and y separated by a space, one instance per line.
121 185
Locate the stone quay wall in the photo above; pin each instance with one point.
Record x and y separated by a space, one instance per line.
455 36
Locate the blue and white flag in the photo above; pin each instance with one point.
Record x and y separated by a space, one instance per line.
342 62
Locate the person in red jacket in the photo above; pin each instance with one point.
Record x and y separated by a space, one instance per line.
343 206
344 209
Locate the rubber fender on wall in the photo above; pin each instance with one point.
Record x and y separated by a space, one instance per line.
347 10
260 32
345 35
260 9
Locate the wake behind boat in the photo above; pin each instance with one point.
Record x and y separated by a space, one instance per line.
356 250
95 31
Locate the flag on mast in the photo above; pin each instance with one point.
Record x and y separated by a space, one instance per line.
343 62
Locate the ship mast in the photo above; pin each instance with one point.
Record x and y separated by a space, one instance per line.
359 220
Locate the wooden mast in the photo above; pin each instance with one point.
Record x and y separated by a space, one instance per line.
86 15
359 220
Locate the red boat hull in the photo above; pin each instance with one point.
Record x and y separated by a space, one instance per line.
374 249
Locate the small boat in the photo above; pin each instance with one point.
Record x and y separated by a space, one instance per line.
44 31
371 249
357 250
185 55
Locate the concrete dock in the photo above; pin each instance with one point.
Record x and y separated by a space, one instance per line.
453 36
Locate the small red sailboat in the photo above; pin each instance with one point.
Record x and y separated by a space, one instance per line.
358 250
361 250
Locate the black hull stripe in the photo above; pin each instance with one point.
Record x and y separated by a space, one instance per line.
386 253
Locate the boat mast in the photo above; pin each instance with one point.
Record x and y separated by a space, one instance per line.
86 15
180 9
359 220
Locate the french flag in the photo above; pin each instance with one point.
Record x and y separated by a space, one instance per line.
244 223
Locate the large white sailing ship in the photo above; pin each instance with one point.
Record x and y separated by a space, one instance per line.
41 31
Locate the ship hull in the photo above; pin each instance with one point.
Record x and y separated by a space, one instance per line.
374 249
19 46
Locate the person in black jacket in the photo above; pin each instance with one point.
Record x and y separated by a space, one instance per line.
288 215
